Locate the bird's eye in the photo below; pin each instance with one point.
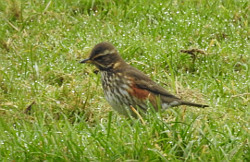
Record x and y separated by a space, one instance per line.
102 57
99 58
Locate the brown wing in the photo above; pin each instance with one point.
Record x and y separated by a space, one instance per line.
144 82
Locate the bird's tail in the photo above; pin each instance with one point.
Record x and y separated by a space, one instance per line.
193 104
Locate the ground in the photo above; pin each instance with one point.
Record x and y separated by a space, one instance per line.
52 108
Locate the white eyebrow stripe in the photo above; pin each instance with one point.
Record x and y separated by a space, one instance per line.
105 53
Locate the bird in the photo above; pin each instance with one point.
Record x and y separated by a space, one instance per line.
127 88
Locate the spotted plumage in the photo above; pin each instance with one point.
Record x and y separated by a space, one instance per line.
126 86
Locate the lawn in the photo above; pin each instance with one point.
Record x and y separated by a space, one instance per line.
52 108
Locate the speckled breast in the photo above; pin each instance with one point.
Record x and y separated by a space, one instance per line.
117 90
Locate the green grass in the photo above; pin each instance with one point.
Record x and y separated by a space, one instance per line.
41 43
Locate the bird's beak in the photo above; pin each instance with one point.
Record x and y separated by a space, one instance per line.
86 61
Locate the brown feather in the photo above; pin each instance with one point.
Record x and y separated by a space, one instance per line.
144 82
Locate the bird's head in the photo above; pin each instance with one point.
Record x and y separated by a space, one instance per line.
104 56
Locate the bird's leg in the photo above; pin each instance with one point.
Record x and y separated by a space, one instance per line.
137 113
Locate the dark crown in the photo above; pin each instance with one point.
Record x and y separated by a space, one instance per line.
104 56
